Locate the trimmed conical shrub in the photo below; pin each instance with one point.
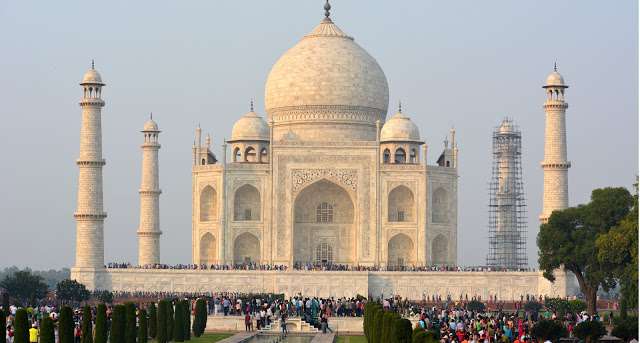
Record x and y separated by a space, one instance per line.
101 324
170 318
47 333
402 331
153 321
377 327
87 325
200 320
3 327
162 321
178 323
65 325
187 319
118 323
142 326
130 323
21 327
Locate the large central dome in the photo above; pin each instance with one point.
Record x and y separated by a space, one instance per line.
326 87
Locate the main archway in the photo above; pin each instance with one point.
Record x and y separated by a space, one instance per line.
324 221
400 251
246 249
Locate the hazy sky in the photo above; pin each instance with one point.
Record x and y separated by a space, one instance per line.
452 63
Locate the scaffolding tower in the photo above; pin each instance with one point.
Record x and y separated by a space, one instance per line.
507 207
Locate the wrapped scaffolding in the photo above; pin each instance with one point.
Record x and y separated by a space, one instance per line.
507 208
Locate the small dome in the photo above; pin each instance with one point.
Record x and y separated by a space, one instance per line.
555 80
150 125
92 77
251 127
506 126
399 128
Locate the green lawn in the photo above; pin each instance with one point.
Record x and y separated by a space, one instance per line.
208 337
351 339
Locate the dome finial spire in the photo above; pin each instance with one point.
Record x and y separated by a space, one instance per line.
555 66
399 106
251 105
327 8
151 115
93 65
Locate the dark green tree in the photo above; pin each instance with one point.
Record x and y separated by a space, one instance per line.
130 323
71 291
47 333
162 321
590 330
153 321
101 324
21 327
87 325
387 326
3 327
618 251
24 286
377 326
187 319
402 331
104 296
568 239
200 320
5 301
65 325
625 328
143 321
178 322
118 324
170 319
547 329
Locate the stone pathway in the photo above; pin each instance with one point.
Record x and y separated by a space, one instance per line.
239 337
324 338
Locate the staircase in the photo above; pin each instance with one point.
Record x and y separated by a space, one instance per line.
293 325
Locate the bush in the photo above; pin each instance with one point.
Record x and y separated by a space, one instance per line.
388 321
72 291
162 321
590 330
143 324
118 323
3 326
532 306
402 331
475 306
377 326
178 323
21 327
153 321
547 329
200 320
170 318
625 328
101 324
47 333
104 296
186 310
87 325
130 323
65 325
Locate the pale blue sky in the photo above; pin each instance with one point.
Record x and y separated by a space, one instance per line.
452 63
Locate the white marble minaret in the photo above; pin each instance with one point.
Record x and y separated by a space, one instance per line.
149 229
90 213
555 164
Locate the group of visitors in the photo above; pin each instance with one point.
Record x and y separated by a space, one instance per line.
314 267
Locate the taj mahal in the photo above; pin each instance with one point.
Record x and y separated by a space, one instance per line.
327 176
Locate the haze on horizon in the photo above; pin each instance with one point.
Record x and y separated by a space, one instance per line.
452 64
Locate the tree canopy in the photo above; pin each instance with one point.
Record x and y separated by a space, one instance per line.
618 252
568 239
72 290
24 286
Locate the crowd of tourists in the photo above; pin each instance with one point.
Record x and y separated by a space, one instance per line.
314 267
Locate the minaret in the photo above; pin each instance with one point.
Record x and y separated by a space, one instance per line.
149 229
90 214
555 164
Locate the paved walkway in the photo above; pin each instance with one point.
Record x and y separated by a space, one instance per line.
239 337
324 338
